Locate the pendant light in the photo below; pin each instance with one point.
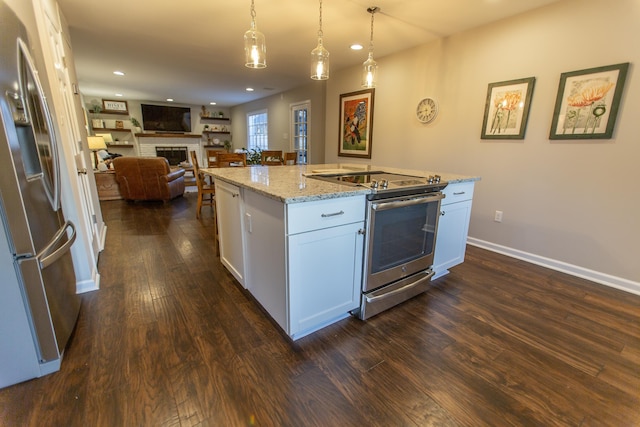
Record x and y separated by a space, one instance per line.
370 67
320 56
255 50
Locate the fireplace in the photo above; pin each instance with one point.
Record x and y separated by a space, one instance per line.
175 155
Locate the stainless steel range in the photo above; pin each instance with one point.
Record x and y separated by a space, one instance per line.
402 222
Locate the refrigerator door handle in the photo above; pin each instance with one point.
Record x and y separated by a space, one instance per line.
48 256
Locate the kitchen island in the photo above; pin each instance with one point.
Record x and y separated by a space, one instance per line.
296 243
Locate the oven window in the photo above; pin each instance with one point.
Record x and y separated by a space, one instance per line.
403 235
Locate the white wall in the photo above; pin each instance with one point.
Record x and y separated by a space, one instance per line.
574 202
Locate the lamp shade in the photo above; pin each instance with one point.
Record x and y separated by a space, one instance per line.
106 136
96 143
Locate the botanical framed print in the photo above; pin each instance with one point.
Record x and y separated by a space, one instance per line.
356 124
506 109
112 106
587 103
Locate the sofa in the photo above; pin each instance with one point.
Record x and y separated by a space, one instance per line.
148 178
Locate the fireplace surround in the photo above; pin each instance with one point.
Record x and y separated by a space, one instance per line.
175 155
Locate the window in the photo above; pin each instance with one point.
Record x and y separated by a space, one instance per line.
257 135
300 131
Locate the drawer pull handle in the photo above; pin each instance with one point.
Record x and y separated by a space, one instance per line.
459 193
332 214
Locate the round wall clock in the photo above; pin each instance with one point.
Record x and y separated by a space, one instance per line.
427 110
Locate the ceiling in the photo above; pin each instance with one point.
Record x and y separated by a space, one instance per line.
192 50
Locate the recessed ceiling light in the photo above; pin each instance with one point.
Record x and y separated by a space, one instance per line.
356 46
170 99
212 103
249 89
118 94
118 73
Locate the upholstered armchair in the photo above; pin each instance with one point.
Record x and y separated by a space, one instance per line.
148 178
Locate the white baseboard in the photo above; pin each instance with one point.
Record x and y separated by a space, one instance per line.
574 270
88 285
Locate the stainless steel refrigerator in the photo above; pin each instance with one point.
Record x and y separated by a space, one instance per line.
38 302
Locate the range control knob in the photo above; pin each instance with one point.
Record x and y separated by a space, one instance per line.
430 179
437 178
384 183
374 183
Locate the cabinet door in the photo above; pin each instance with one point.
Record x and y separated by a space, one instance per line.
230 233
325 270
451 241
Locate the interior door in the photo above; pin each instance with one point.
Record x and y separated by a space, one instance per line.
300 131
72 133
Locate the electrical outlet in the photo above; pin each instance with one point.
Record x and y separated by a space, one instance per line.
498 216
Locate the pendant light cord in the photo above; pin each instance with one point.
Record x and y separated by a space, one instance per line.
253 16
372 11
320 22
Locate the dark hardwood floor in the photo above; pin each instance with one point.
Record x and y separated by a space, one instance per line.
171 340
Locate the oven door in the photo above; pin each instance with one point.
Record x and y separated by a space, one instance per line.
401 236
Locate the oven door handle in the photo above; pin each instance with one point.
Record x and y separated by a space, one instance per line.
399 290
383 206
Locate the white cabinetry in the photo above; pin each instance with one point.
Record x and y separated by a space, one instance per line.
325 247
302 262
453 227
229 210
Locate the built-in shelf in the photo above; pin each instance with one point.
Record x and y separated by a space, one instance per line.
120 113
216 131
224 119
120 145
99 130
168 135
214 146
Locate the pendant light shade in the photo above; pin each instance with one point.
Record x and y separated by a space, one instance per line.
320 56
255 49
369 72
370 67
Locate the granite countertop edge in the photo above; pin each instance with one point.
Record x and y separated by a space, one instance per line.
291 184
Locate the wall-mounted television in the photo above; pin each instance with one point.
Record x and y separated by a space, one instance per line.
164 118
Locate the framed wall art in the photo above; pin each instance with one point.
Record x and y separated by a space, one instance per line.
506 110
587 103
356 124
115 107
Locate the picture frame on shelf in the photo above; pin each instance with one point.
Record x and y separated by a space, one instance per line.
119 124
115 106
356 124
587 102
97 123
506 109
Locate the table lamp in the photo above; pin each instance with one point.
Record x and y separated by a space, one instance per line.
96 143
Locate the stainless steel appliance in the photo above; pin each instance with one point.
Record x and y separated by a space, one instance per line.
402 223
38 301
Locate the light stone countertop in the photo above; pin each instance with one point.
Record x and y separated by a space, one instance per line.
290 184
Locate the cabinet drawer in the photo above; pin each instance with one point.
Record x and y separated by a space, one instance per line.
319 214
458 192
